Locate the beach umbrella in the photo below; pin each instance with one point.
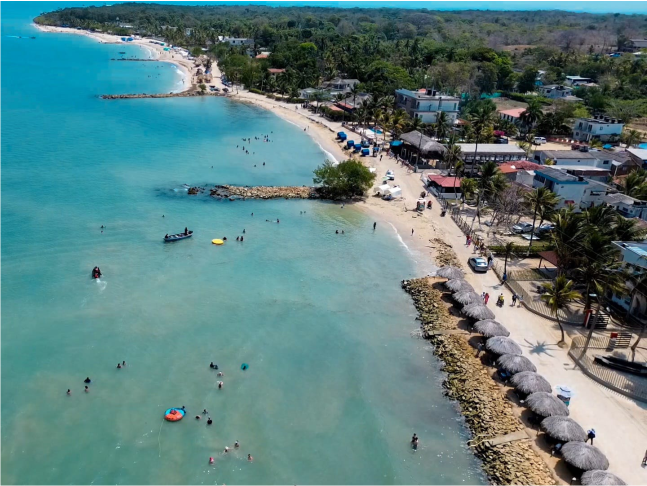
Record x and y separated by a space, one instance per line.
502 345
530 382
602 478
478 311
584 456
467 297
490 328
450 272
564 429
458 285
545 404
513 363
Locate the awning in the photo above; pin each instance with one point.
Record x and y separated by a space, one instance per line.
396 143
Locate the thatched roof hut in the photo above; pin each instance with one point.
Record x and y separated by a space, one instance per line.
502 345
428 147
490 328
450 272
546 405
458 285
478 311
530 382
564 429
584 456
602 478
467 297
513 363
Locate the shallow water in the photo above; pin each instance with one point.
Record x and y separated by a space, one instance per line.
336 384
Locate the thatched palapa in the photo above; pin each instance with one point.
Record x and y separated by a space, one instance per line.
584 456
546 405
513 363
467 297
502 345
459 285
564 429
478 311
602 478
530 382
490 328
450 272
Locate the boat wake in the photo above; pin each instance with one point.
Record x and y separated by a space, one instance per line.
102 284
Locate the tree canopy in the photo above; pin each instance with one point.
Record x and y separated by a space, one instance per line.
348 179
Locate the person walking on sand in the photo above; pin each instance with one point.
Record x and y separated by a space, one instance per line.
486 298
411 231
644 463
483 296
590 435
514 299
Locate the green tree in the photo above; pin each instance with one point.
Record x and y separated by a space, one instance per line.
526 82
508 249
490 184
630 137
482 122
469 188
203 88
540 201
348 179
532 114
558 296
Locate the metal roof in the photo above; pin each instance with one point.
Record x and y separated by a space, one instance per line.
490 148
568 154
558 175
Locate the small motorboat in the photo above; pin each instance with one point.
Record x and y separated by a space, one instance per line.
180 236
622 365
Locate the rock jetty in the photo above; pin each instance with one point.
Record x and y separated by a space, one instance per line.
183 94
265 192
445 254
487 412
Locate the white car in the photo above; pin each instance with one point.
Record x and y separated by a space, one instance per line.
390 175
478 264
539 141
522 228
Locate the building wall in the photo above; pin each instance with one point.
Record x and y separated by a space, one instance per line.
584 130
565 192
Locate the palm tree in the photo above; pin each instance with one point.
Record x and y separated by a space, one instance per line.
442 126
468 188
566 236
416 124
532 115
507 250
630 138
635 184
538 200
491 183
482 121
558 296
354 90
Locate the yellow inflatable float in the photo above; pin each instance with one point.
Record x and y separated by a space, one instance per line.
217 241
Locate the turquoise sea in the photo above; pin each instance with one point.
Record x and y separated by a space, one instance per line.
336 385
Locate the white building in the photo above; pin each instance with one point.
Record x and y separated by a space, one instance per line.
576 80
627 206
638 155
599 127
340 85
634 256
512 115
558 92
238 41
426 104
569 188
572 158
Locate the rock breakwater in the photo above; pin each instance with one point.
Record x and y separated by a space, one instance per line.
487 412
258 192
183 94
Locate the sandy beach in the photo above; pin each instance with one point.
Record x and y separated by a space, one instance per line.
155 51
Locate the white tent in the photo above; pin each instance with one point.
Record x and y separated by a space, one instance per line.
369 134
372 170
394 192
383 189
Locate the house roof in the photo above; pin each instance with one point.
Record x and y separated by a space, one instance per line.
263 55
559 176
568 154
513 112
621 198
426 144
444 181
275 71
621 157
422 95
640 153
517 165
334 108
490 148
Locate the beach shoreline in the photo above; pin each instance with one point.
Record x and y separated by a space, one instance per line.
156 52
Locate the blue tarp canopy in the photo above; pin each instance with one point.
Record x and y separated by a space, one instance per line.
607 146
341 134
365 151
396 143
350 143
357 148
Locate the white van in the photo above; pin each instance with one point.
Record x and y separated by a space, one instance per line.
539 140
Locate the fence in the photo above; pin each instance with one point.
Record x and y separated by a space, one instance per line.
632 386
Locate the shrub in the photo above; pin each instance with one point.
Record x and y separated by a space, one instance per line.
347 179
522 249
255 91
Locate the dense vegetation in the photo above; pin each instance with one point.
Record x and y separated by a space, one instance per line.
348 179
470 52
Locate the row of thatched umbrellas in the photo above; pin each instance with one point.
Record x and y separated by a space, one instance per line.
525 379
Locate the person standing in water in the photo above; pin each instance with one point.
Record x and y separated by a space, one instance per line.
250 458
414 442
69 392
374 225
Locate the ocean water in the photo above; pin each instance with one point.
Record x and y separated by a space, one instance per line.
336 385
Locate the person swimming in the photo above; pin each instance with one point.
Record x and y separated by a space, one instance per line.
87 380
209 421
236 445
211 460
237 238
119 366
243 231
204 412
197 417
242 238
414 442
250 458
220 373
220 384
336 232
123 363
87 388
69 392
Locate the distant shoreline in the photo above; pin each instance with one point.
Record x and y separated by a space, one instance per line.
155 51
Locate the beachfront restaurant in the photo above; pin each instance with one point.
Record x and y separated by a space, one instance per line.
420 150
445 187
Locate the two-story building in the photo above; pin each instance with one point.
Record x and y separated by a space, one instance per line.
426 104
627 206
638 155
238 41
569 188
576 80
600 127
558 92
633 254
483 152
339 85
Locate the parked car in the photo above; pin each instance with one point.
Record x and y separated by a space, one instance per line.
521 228
539 141
545 228
478 264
